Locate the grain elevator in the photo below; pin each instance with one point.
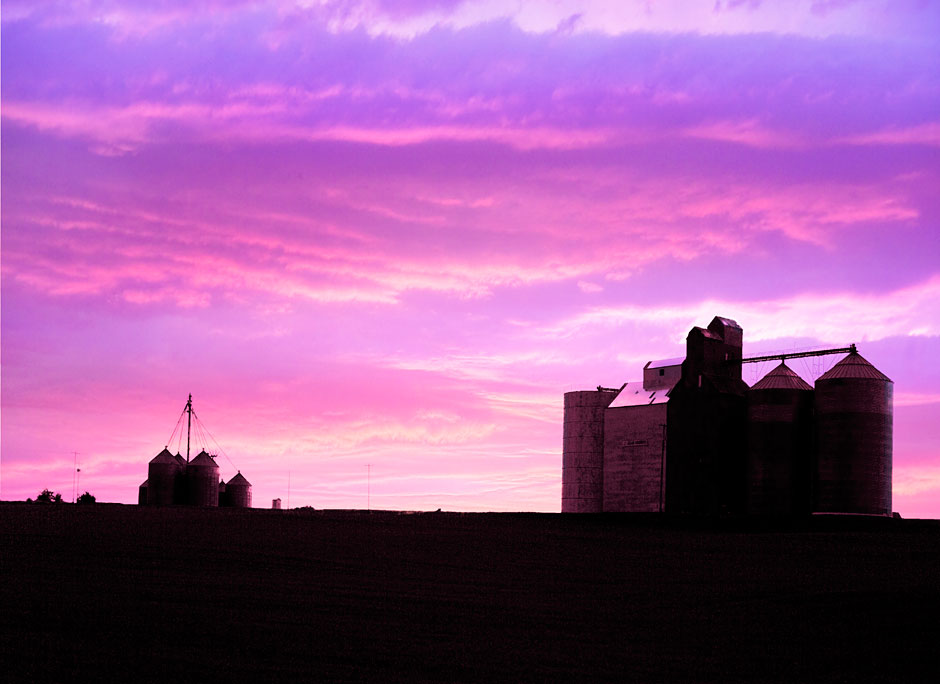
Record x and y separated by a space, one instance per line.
692 437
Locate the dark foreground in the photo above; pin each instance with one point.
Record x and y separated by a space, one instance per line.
121 592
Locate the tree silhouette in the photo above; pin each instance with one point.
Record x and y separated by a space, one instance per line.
86 498
46 496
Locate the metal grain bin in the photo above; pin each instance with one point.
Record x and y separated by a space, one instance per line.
854 425
223 497
202 481
582 475
142 494
238 491
162 474
779 444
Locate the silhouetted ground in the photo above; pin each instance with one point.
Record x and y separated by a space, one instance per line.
160 594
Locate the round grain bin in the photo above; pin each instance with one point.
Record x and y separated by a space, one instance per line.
779 444
582 474
142 494
854 425
223 497
238 491
162 474
202 481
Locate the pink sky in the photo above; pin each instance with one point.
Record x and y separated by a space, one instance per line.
395 233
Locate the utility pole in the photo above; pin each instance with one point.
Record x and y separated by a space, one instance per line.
189 422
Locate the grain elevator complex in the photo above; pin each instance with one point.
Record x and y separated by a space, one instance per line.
174 480
171 480
692 437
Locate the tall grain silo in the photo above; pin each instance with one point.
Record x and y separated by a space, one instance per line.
779 444
582 475
854 426
202 481
162 474
142 494
238 492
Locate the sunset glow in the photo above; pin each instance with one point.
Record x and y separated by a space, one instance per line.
393 234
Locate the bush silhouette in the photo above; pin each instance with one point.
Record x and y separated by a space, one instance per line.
46 496
86 498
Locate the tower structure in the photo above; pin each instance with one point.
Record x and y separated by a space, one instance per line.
706 418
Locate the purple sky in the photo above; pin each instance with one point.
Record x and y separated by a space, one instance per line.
394 233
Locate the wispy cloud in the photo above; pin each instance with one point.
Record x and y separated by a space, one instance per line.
923 134
836 317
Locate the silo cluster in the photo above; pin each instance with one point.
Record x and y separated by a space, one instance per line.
171 480
781 447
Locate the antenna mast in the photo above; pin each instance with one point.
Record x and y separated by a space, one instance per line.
189 422
75 472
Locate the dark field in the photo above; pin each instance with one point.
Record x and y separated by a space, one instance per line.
110 591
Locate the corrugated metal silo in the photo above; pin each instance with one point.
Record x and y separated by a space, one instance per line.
779 444
238 491
162 474
223 497
142 494
202 481
854 426
582 476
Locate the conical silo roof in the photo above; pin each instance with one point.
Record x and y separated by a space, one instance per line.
179 458
239 481
204 459
853 366
781 377
164 457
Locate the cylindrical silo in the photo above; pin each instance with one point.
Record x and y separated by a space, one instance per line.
223 497
238 491
142 494
582 475
202 481
854 426
162 474
779 444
